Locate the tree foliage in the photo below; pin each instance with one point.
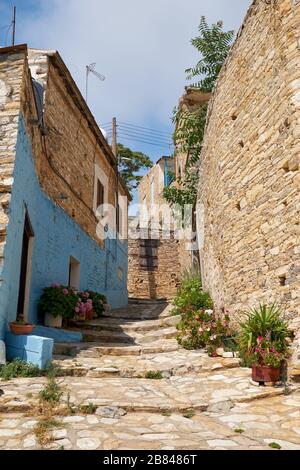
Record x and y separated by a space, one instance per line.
130 164
213 44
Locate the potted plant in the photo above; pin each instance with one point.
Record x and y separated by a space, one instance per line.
99 303
20 327
263 343
84 307
57 303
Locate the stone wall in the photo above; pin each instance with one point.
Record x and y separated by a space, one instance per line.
249 193
159 283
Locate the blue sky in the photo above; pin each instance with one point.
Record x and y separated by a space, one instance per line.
142 47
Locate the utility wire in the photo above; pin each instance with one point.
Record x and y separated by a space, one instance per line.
135 139
145 137
145 128
147 143
139 134
140 129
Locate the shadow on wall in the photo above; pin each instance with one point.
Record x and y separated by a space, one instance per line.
152 285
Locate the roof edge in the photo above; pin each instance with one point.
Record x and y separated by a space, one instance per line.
17 48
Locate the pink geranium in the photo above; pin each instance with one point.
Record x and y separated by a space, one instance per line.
65 292
55 285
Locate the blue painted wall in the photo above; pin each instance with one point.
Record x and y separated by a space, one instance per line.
57 238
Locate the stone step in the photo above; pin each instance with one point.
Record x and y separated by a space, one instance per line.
128 326
177 363
208 392
97 350
139 312
119 337
135 338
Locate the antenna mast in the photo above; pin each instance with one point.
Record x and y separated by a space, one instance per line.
14 25
91 69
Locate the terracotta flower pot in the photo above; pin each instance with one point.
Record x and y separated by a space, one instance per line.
89 315
21 328
265 373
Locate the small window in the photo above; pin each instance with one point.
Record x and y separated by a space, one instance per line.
148 254
74 273
119 220
100 194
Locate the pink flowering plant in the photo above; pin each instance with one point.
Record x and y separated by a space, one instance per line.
58 300
99 302
203 329
84 305
263 338
199 327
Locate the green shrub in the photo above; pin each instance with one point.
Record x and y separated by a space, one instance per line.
57 301
263 337
191 296
199 326
18 368
52 392
275 445
154 375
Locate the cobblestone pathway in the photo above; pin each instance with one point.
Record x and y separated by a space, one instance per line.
200 403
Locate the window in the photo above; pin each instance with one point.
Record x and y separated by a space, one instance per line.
101 183
100 194
149 254
119 220
74 273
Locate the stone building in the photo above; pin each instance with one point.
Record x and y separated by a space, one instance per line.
153 263
249 193
190 102
56 168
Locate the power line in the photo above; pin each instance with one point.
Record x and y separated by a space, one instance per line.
145 128
138 131
145 137
135 139
141 134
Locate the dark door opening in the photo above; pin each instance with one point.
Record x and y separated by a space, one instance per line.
27 235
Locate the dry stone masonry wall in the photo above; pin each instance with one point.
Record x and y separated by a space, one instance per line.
249 193
11 74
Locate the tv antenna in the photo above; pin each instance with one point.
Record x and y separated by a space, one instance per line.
91 69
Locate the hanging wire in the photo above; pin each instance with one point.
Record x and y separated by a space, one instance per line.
144 128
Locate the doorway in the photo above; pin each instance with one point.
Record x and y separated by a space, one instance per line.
25 271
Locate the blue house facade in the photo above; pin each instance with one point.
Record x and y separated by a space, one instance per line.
49 230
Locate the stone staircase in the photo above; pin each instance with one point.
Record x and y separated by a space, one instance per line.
131 342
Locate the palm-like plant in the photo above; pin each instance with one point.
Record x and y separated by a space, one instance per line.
267 322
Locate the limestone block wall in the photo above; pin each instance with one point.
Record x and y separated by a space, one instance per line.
11 75
160 283
249 192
